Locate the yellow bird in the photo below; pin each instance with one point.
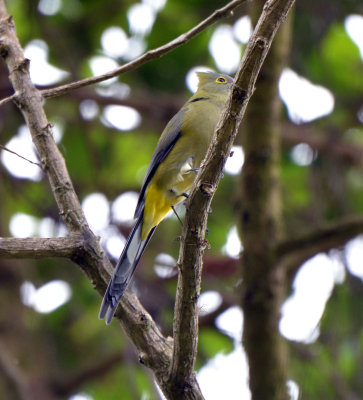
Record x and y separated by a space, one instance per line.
170 176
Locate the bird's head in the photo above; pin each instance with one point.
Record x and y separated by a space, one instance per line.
214 83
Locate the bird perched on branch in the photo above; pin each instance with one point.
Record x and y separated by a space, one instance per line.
181 149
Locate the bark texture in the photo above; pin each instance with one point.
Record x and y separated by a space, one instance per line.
263 286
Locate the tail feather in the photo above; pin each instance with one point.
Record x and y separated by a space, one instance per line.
124 271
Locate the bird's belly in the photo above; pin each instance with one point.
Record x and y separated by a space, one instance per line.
180 187
162 195
157 205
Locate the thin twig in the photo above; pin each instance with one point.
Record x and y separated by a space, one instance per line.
7 99
12 372
13 152
148 56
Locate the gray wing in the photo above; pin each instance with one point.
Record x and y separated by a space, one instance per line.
169 137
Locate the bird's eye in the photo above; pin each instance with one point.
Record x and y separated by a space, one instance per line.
221 79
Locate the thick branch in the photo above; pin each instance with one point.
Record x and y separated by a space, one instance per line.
263 287
194 243
322 141
66 247
29 102
299 249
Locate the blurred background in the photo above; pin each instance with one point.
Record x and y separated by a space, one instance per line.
50 335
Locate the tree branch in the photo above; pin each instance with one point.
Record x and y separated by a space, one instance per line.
194 243
154 348
259 214
348 152
148 56
13 373
20 248
26 386
7 99
65 386
18 155
297 250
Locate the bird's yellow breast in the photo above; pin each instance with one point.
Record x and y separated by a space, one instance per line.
156 208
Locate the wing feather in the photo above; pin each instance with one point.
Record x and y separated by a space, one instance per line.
169 137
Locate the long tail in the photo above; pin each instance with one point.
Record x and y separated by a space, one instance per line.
124 271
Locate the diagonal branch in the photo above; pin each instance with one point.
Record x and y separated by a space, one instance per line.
148 56
65 386
18 155
7 99
12 372
154 348
25 386
194 243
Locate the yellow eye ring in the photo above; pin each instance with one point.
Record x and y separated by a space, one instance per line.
221 79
